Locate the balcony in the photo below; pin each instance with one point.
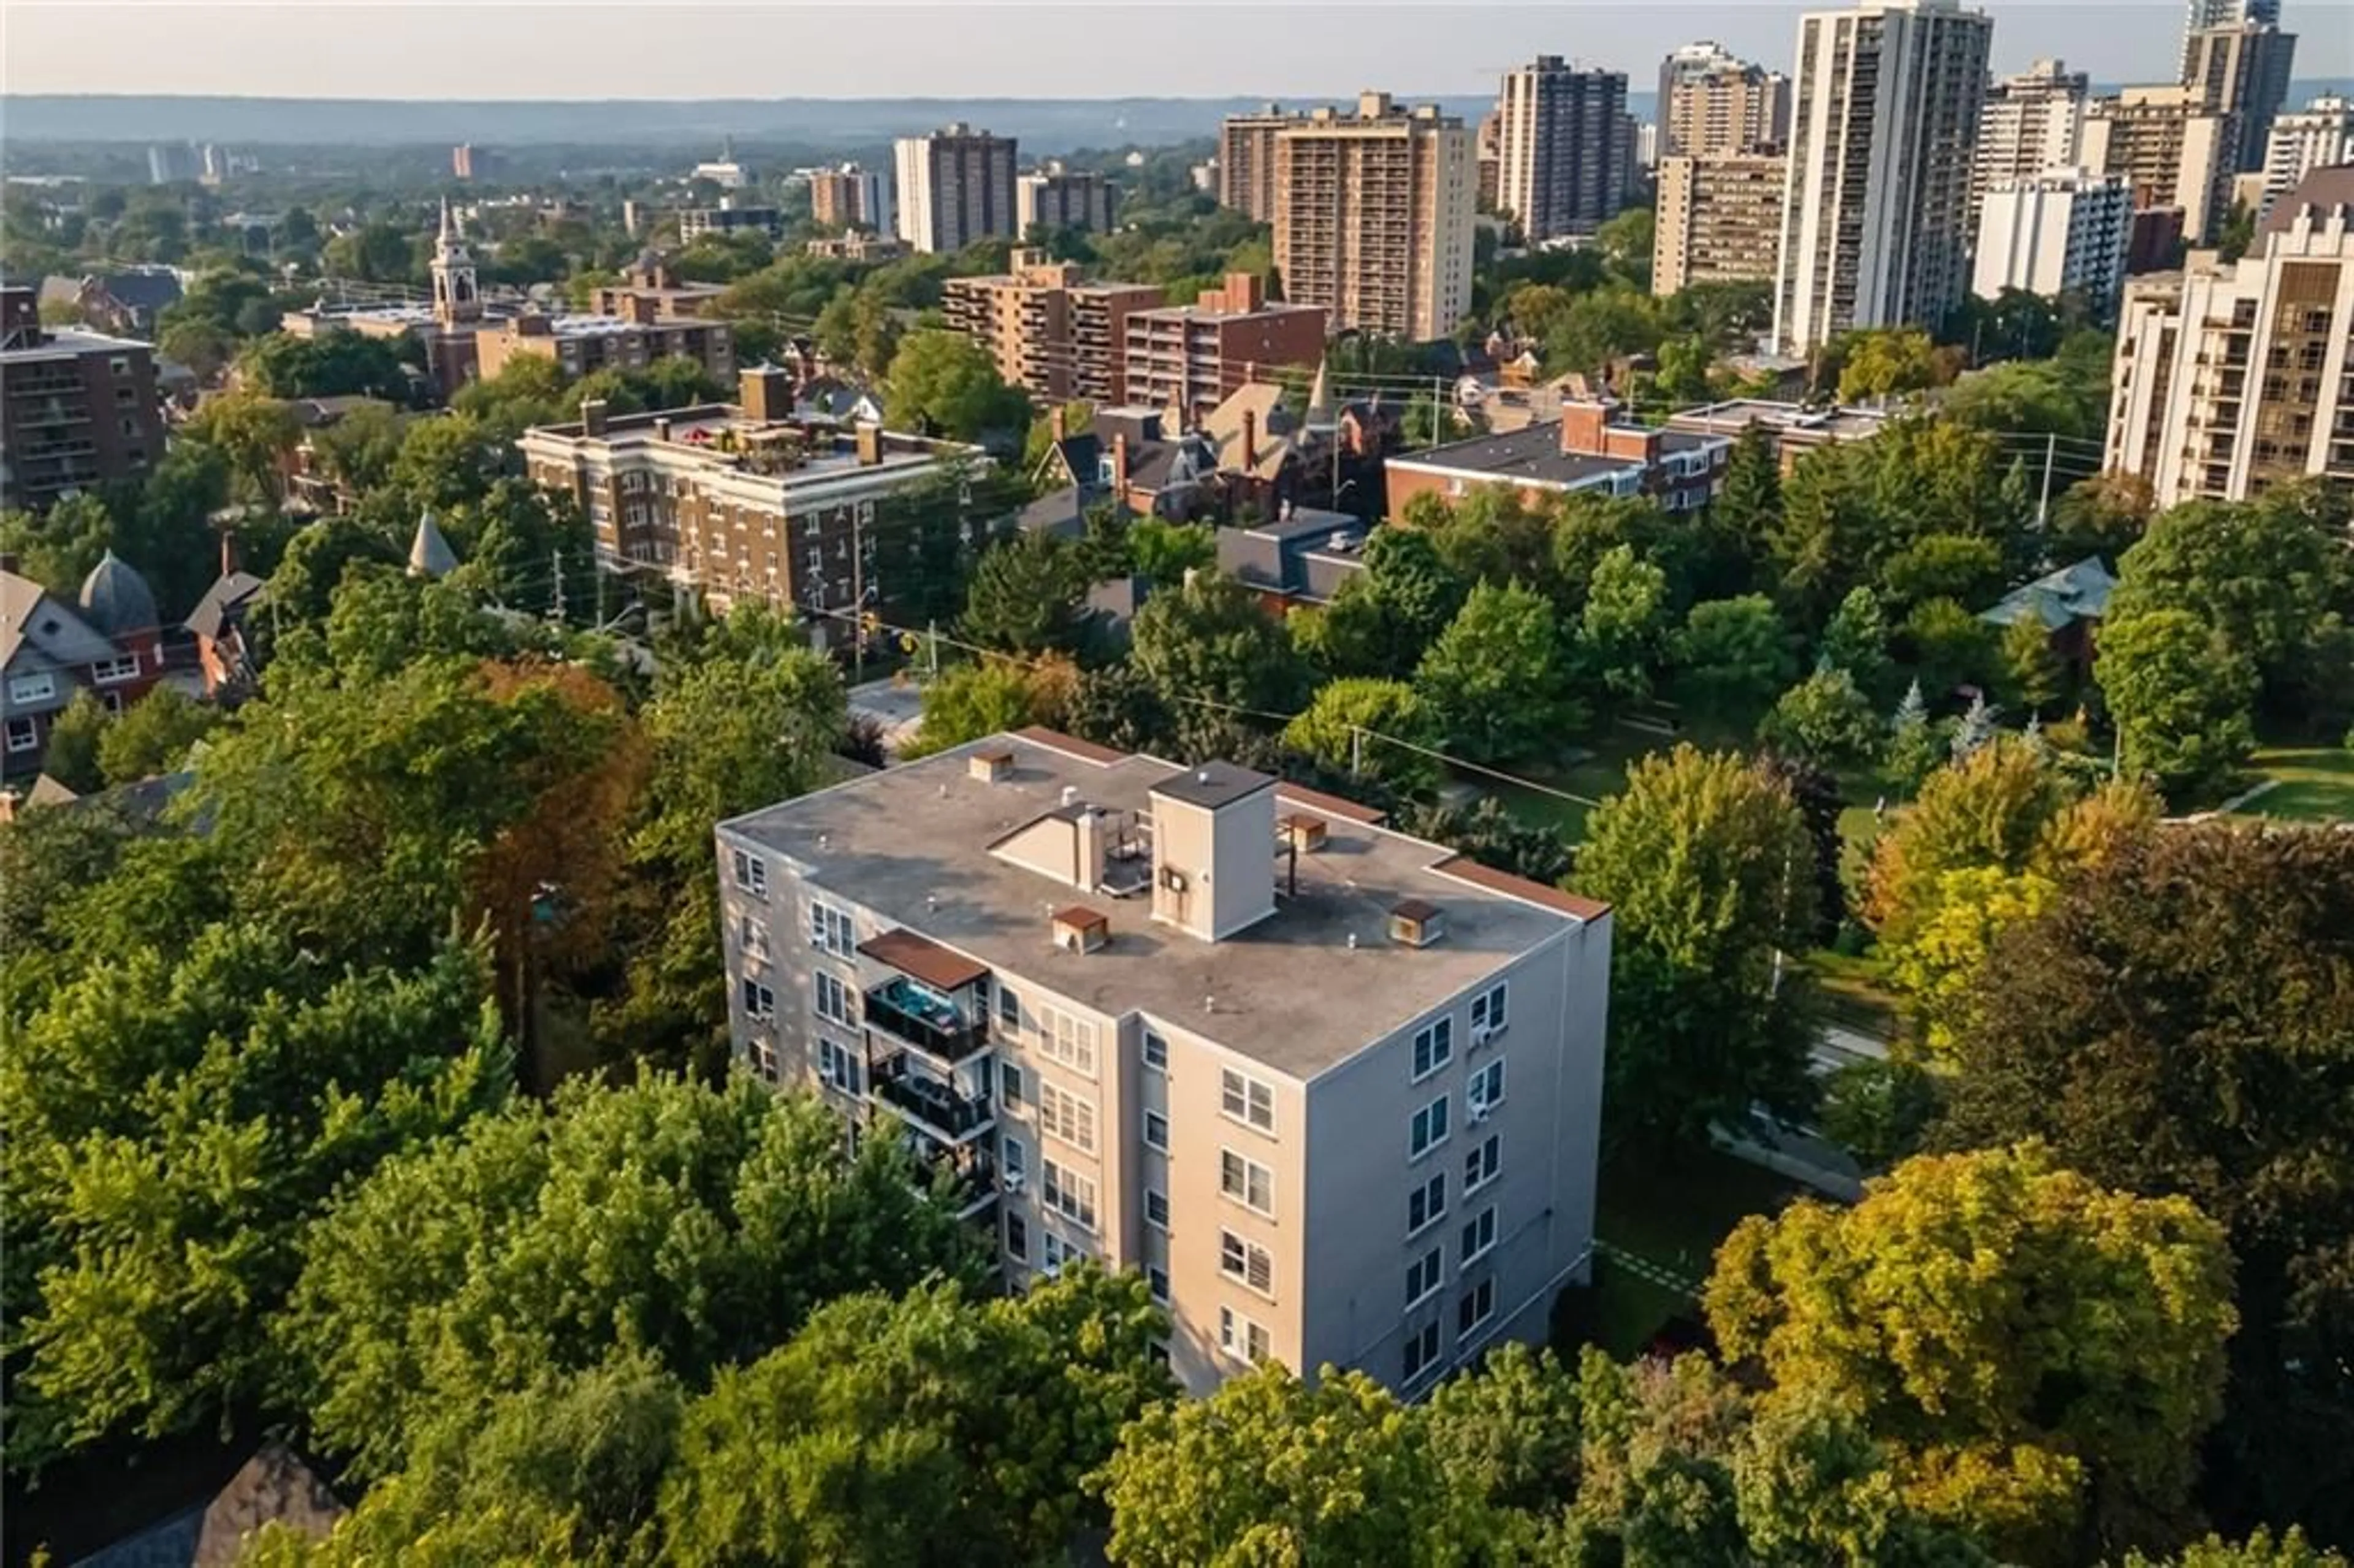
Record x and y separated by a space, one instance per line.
964 1176
916 1016
931 1103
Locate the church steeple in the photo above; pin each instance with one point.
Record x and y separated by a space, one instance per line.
456 295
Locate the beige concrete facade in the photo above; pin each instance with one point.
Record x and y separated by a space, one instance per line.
1374 216
2170 149
1049 333
1711 101
1247 162
1719 218
1333 1090
2031 123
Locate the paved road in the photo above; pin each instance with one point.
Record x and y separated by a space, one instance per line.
896 708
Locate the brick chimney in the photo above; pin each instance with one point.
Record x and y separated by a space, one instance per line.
1245 292
228 551
1635 441
1584 421
1119 465
1250 439
1058 423
869 446
593 416
641 309
765 392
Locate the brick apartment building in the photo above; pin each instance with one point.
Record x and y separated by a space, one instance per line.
1049 333
76 409
1199 355
1590 448
740 501
1333 1091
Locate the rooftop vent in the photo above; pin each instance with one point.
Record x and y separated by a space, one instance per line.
1303 832
1416 923
1079 930
992 767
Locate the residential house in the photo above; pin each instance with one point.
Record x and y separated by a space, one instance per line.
110 645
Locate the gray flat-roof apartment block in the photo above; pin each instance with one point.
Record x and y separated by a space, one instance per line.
1333 1090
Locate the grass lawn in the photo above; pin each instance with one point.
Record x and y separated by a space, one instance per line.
1855 992
1675 1214
2315 784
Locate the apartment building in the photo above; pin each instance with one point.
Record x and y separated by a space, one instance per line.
1374 216
1049 333
742 500
2064 231
76 409
1712 100
1567 148
1054 196
850 198
1593 448
1197 356
2316 137
729 218
2240 71
652 290
1718 219
1333 1091
1876 223
955 187
2168 148
2031 123
2232 377
1247 162
579 343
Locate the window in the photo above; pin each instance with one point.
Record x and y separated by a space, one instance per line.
1480 1236
1068 1040
1247 1261
1480 1166
1014 1160
1421 1351
1246 1182
1156 1132
1486 1089
1428 1129
1487 1011
752 936
1241 1338
837 1066
830 931
110 671
833 999
1425 1203
1062 1114
764 1059
35 688
1069 1196
1434 1046
1009 1009
1423 1276
1157 1280
1009 1084
751 872
1156 1208
1478 1305
1054 1252
120 365
759 1001
1156 1052
24 734
1246 1099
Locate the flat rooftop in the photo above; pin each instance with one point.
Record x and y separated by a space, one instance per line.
912 843
828 446
1532 455
1732 417
69 343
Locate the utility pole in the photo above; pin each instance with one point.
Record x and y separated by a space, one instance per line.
556 610
1356 751
857 598
2043 505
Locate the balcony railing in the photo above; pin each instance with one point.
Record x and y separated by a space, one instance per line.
933 1104
909 1013
967 1175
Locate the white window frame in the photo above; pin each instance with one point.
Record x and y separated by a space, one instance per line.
1490 1009
1484 1090
1017 1237
1012 1159
24 733
1156 1200
1009 1084
837 1067
1009 1008
1244 1339
1156 1052
1240 1177
37 687
1057 1252
1246 1263
1433 1047
1427 1128
829 929
1481 1297
1424 1352
1432 1196
1064 1117
752 936
1067 1040
1243 1098
759 1000
829 997
1425 1276
1066 1192
115 670
751 872
1156 1132
1478 1238
1484 1163
1156 1280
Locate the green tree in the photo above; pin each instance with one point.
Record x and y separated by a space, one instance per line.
942 380
1210 640
154 734
2033 675
2178 1022
61 547
967 702
1939 967
2179 694
1495 682
1386 616
255 433
1856 640
1730 657
1707 866
1946 645
1825 719
446 462
359 448
1350 723
75 736
1990 809
1623 634
702 1225
2261 1550
1269 1469
1028 597
1913 750
2044 1352
1885 361
1749 508
1493 834
1163 552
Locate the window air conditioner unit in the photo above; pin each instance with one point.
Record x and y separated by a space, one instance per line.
1013 1182
1482 1112
1480 1034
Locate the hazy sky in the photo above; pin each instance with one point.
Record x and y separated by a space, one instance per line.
674 48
